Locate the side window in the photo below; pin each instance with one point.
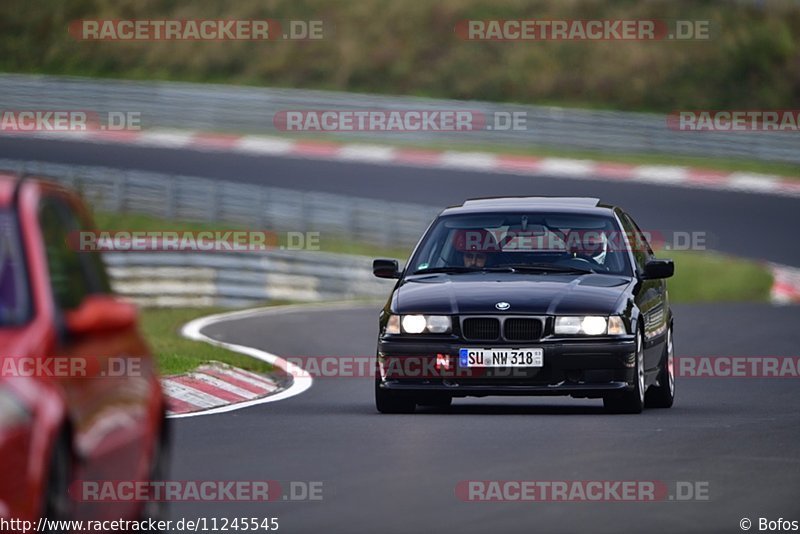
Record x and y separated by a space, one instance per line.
642 252
94 269
15 305
73 274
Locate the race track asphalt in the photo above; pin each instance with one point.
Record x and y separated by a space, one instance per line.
399 473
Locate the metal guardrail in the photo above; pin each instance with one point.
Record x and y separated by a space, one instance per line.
237 279
379 222
240 279
251 110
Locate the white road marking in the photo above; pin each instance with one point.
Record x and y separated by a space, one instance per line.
259 144
356 152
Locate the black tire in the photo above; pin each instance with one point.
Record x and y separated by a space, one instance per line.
631 401
663 395
57 503
393 401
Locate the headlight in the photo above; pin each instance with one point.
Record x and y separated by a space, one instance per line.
414 324
590 325
419 324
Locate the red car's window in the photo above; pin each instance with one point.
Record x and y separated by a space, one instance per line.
14 302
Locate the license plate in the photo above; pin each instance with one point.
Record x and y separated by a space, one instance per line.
501 357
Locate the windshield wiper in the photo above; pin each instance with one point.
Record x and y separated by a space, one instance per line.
548 267
503 269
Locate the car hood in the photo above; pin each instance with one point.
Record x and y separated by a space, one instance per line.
478 293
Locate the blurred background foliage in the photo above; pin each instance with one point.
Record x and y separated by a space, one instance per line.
409 47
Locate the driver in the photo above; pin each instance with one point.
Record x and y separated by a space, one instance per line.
475 246
588 245
475 259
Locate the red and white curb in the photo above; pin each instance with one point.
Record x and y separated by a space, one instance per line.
232 395
214 385
459 160
785 285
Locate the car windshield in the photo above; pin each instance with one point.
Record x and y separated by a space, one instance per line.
14 302
523 243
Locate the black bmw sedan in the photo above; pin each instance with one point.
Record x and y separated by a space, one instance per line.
527 296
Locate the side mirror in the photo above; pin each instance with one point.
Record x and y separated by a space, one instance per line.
656 269
100 313
386 268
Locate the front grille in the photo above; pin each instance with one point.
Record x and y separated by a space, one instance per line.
515 329
481 328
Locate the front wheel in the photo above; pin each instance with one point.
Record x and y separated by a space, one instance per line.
663 395
57 502
631 401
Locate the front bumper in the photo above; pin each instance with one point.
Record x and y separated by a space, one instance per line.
576 367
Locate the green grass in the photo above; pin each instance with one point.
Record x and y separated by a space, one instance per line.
176 354
712 277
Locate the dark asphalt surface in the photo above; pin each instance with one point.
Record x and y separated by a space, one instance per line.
397 473
746 224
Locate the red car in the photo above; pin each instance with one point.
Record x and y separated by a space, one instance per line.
80 398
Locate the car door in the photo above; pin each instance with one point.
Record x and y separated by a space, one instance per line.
107 392
650 297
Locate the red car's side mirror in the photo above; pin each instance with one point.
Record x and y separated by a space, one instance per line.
98 313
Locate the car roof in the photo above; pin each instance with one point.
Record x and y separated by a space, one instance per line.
500 204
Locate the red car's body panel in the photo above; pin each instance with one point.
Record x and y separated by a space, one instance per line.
113 422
